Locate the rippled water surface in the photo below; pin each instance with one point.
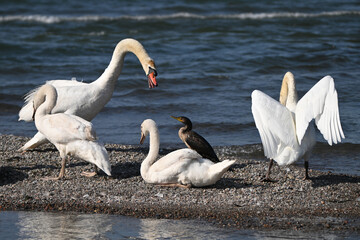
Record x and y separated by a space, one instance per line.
44 225
210 56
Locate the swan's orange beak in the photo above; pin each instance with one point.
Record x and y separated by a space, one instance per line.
151 77
152 80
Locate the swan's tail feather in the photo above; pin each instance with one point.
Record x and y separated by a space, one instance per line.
221 167
26 112
92 152
37 140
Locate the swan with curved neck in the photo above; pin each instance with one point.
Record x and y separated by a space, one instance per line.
181 168
87 99
286 128
71 135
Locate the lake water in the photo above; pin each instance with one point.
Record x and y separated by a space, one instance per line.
210 56
45 225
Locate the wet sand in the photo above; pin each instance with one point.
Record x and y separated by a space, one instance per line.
327 201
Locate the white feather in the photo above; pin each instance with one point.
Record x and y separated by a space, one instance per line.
86 100
287 136
183 166
70 134
320 103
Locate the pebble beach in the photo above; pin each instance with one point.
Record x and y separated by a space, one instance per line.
328 201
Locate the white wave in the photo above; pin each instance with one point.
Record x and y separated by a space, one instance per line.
185 15
288 15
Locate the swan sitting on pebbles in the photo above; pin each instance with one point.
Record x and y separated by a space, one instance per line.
180 168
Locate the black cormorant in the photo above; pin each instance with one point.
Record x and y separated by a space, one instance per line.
194 141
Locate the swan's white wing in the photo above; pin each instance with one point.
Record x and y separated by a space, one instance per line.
74 98
91 134
66 83
274 122
81 120
63 128
175 158
92 152
320 103
26 112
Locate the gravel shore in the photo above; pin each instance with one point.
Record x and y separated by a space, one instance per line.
327 201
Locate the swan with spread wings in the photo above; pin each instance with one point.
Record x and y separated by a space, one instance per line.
286 128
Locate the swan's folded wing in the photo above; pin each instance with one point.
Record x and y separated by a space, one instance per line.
26 112
274 122
175 160
63 128
320 103
87 126
65 83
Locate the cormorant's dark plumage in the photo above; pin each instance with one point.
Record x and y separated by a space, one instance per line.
194 141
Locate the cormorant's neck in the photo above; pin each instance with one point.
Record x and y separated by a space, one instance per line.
187 127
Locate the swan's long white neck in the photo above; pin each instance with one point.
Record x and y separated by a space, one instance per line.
288 93
112 72
45 100
154 146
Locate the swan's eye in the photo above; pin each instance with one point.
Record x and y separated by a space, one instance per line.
152 70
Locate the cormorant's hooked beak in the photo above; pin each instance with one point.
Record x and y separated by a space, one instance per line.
151 77
142 138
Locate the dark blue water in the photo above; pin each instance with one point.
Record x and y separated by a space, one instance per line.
210 56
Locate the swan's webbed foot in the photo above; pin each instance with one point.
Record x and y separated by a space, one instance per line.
306 177
89 174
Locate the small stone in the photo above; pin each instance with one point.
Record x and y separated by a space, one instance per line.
160 195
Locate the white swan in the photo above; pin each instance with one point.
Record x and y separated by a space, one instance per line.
87 99
286 128
182 168
70 134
